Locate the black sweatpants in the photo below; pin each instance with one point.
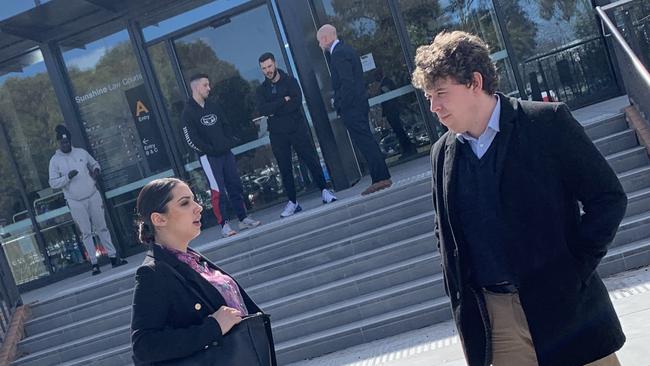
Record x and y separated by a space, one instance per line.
300 139
357 124
223 176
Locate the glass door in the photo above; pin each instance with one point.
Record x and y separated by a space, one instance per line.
228 50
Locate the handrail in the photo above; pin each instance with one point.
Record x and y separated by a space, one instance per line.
636 63
563 48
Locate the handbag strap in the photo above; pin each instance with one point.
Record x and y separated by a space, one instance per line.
188 286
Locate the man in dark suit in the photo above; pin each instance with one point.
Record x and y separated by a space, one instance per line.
351 103
519 259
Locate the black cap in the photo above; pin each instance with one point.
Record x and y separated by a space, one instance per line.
62 133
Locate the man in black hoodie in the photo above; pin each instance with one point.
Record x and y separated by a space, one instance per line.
279 98
207 131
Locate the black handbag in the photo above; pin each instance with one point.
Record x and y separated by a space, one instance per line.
246 344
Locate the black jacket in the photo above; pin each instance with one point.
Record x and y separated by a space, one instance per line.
168 320
546 164
206 128
350 93
284 116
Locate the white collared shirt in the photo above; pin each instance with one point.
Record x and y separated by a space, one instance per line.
333 45
481 144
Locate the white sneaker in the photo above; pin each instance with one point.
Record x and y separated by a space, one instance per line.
290 209
248 223
227 231
328 196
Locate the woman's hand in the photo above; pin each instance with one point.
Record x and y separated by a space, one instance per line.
227 318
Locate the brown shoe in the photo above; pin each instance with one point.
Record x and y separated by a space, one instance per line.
383 184
371 189
378 186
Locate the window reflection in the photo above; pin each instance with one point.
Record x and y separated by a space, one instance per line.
561 54
425 19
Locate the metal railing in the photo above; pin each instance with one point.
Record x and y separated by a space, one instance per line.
577 74
632 46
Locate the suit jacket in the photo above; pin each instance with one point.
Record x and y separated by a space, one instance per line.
168 320
350 94
546 164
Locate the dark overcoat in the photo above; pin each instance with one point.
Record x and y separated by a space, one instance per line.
350 93
169 320
546 165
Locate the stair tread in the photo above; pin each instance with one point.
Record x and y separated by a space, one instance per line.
339 261
358 300
346 280
629 151
48 333
76 342
628 247
638 193
109 352
591 124
324 247
614 135
630 172
437 302
635 219
78 306
333 226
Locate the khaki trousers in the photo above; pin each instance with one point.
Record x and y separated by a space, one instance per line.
511 341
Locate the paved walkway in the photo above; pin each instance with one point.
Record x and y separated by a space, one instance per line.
439 344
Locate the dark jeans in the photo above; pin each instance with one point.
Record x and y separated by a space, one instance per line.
300 139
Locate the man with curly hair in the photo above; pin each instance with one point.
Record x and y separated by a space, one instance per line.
519 259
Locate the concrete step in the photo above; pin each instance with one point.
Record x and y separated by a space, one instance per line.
362 331
82 295
625 257
629 159
116 356
632 229
617 142
301 254
79 313
338 269
606 127
331 214
353 286
638 202
70 332
78 348
635 179
367 306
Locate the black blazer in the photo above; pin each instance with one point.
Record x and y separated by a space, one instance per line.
350 94
546 164
168 320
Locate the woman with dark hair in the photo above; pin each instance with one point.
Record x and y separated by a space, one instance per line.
171 319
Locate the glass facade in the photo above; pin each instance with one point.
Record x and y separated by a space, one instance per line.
395 116
123 93
28 113
119 123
